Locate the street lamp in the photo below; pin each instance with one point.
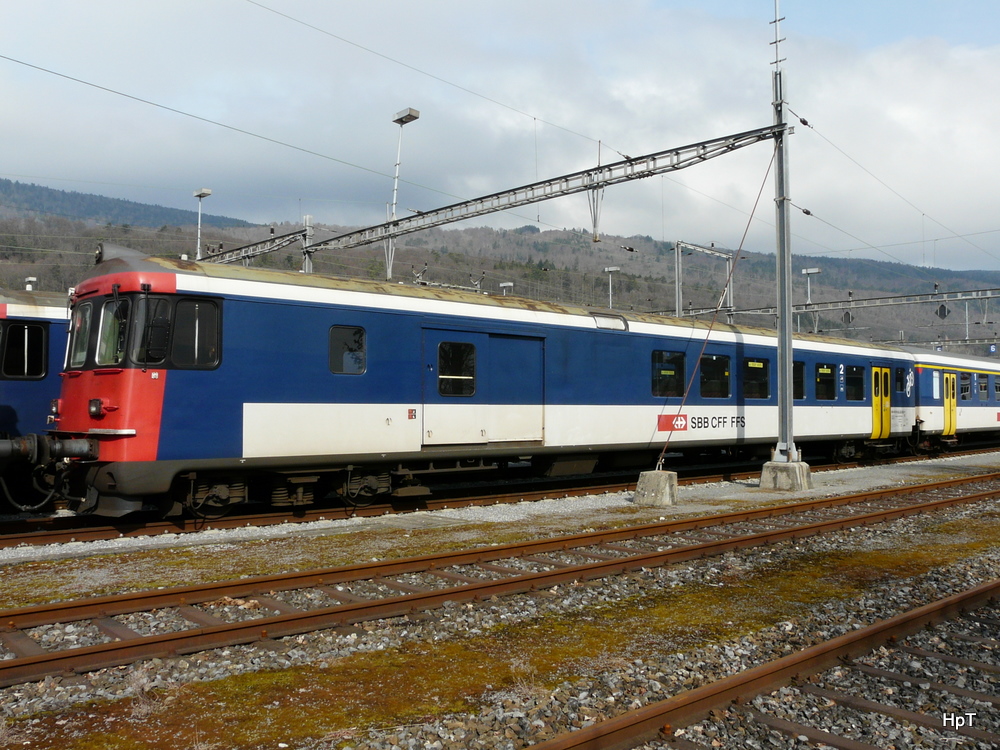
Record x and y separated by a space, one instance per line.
610 270
407 115
199 194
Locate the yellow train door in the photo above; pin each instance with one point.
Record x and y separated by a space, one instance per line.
881 405
950 403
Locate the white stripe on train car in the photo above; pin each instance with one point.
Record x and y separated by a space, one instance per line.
284 430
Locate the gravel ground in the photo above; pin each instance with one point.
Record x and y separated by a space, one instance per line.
513 718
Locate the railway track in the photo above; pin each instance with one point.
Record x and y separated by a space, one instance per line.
891 677
61 529
117 630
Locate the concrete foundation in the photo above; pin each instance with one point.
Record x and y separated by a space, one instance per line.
656 489
791 476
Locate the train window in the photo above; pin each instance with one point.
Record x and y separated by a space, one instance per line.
24 351
195 334
151 332
113 332
348 353
984 387
80 333
855 383
756 378
798 380
826 382
899 381
965 389
668 374
456 368
714 376
996 387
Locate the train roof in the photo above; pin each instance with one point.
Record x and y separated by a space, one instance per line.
114 259
931 357
32 304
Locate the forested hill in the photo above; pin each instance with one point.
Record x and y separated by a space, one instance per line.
19 197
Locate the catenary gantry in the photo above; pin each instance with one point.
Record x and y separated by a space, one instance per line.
595 178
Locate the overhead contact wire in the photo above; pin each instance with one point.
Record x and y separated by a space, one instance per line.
715 315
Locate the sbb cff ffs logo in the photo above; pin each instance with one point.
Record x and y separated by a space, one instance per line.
671 422
681 422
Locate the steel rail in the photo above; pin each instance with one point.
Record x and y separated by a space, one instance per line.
107 606
686 708
131 649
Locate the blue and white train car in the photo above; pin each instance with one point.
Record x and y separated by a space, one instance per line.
33 335
956 395
201 386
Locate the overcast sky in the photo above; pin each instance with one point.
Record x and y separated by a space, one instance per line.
285 107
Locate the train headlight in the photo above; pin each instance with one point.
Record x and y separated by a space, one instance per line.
95 407
54 407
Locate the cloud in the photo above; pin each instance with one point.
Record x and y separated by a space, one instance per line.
509 94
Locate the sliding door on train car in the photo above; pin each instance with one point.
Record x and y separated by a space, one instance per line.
950 403
881 405
481 388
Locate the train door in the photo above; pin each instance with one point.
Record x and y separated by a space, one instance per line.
881 404
456 387
950 403
481 388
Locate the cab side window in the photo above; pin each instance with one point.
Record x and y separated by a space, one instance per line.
195 334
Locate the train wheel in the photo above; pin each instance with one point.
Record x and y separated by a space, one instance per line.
207 499
846 452
360 489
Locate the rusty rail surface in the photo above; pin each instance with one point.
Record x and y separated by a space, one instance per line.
609 558
662 718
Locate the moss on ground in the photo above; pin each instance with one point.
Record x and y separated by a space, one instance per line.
423 680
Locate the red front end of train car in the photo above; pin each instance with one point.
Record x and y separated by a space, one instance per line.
112 391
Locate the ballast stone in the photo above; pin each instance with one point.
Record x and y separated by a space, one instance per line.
656 489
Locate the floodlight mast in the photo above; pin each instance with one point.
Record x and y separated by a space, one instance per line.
199 194
402 118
